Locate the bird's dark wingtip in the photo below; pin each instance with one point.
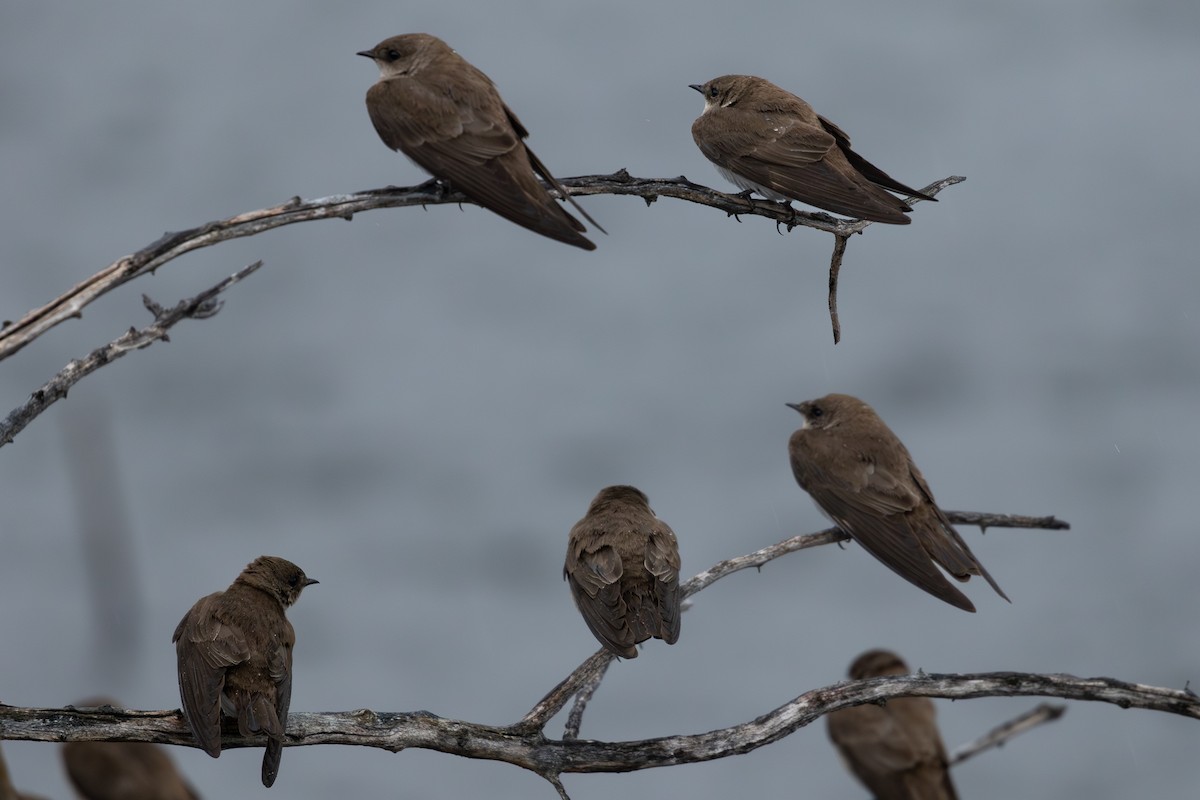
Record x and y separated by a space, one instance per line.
954 597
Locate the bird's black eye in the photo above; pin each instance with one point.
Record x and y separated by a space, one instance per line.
713 91
292 581
815 411
392 54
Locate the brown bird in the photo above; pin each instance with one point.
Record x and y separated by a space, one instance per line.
862 477
123 770
7 792
623 569
768 140
444 114
895 749
235 658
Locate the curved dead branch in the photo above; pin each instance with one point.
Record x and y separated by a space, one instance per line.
172 245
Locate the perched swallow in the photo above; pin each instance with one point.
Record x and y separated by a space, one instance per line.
235 658
123 770
623 569
894 749
444 114
767 140
862 477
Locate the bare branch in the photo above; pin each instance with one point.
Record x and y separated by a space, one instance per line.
831 535
592 670
532 751
835 267
582 698
997 736
587 672
985 521
843 237
524 744
171 245
202 306
556 782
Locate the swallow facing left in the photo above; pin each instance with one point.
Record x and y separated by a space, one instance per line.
862 477
768 140
439 110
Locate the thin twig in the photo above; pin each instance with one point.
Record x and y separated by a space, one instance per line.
557 783
984 521
835 267
556 698
582 698
996 737
202 306
843 236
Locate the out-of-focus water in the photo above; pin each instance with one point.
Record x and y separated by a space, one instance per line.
415 406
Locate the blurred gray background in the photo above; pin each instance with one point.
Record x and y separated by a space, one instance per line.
415 406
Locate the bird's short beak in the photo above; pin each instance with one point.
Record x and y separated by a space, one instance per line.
311 581
699 88
794 407
366 53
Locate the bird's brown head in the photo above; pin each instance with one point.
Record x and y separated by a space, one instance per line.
277 577
613 495
729 90
876 663
831 410
405 54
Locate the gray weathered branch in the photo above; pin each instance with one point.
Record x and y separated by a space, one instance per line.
549 757
525 744
1043 713
202 306
591 672
171 245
